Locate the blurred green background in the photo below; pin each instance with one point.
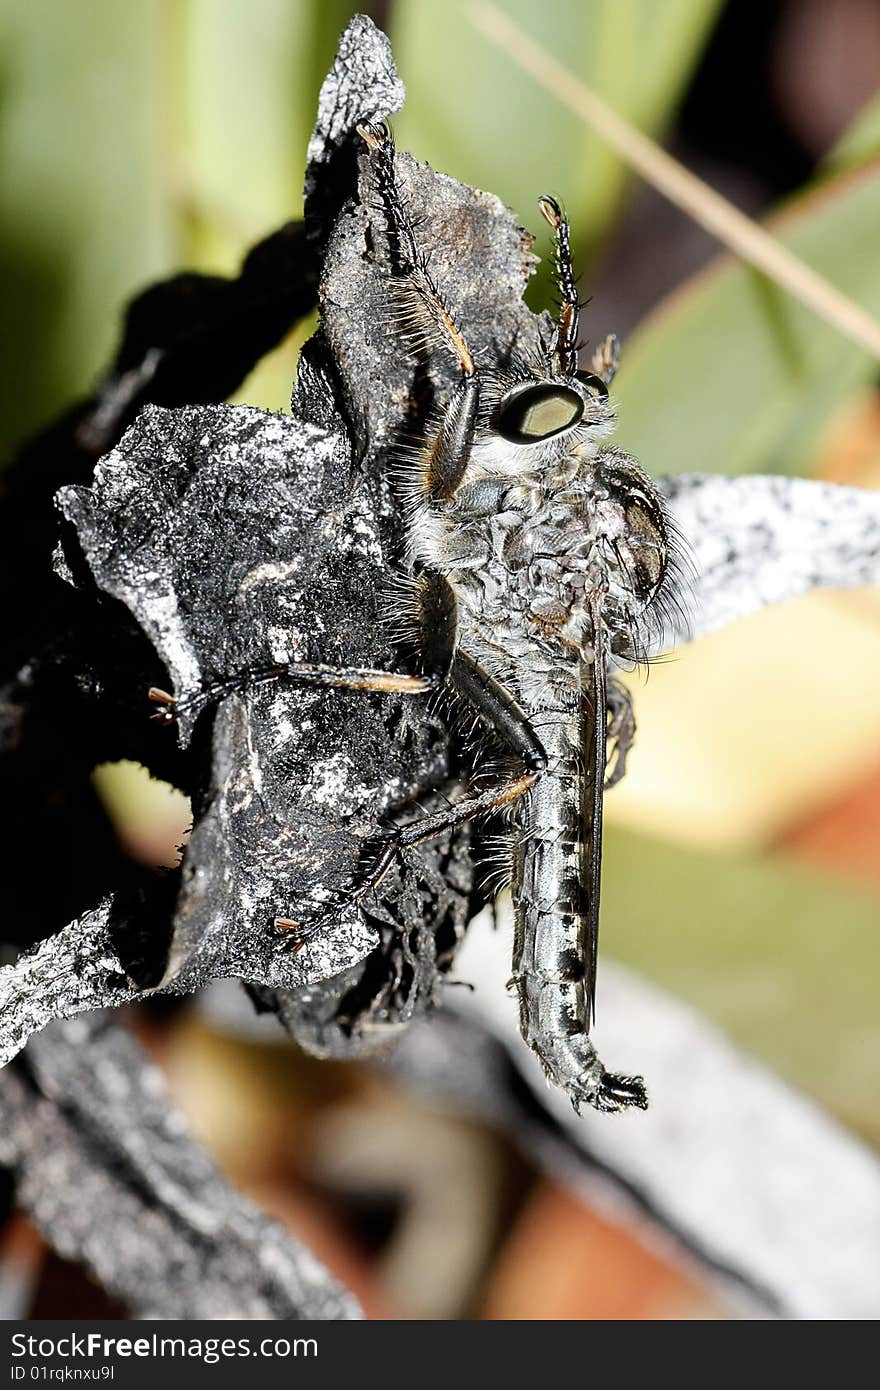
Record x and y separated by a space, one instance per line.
141 137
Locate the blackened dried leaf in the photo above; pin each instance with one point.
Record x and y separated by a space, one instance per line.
362 86
74 971
105 1166
236 539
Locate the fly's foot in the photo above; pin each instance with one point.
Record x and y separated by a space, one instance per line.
293 935
170 708
167 705
289 934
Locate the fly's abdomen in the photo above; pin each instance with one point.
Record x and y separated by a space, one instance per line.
551 886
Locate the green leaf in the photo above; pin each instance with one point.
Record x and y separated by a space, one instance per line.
472 113
247 79
732 374
246 82
138 138
785 959
82 218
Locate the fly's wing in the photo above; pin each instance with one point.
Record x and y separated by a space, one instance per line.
592 800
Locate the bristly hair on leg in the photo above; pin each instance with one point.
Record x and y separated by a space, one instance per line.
496 862
424 317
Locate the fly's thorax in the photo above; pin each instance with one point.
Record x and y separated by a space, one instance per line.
534 554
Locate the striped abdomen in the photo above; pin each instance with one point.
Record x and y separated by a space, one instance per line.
552 914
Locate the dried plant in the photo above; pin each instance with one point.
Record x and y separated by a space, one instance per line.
213 538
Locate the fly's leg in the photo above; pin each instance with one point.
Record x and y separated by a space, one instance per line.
297 673
606 357
621 730
425 320
494 707
406 837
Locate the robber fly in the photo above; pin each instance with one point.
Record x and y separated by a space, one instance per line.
541 559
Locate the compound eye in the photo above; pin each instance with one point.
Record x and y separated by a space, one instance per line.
538 412
594 384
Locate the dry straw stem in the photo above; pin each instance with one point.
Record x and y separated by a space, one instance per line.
720 218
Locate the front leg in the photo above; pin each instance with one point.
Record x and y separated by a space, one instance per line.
297 673
426 320
444 457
